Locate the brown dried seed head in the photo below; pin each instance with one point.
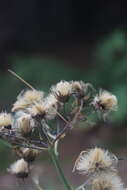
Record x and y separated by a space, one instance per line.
30 154
25 125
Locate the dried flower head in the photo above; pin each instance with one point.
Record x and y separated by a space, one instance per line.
33 96
24 124
79 88
107 182
20 104
51 106
62 90
27 98
37 109
28 154
95 160
105 101
20 168
5 120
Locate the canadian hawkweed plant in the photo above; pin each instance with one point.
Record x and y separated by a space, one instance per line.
38 122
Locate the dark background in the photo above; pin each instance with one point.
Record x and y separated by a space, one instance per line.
47 41
40 26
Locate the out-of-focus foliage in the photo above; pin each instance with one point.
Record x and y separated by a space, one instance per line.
38 71
109 70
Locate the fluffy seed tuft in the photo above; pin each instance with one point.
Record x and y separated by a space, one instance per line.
51 106
33 95
107 182
27 98
79 88
62 90
37 109
94 161
105 101
20 168
5 120
24 124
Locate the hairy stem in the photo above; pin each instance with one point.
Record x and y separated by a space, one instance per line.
58 168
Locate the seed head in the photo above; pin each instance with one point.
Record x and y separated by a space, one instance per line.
5 120
27 98
51 106
20 104
107 182
62 90
32 96
94 161
37 109
79 88
20 168
105 101
28 154
24 124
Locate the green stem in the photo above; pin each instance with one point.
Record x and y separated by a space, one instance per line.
58 168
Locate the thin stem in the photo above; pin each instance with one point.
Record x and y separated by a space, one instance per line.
61 117
69 126
30 146
58 168
21 79
61 133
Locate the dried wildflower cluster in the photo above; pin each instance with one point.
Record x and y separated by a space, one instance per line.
37 122
101 166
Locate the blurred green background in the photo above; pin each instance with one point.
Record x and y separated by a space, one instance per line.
45 42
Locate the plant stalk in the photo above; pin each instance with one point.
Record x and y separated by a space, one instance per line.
58 168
